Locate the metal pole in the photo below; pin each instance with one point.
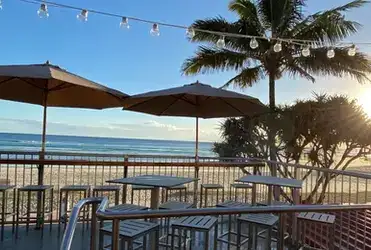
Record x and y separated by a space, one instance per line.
196 154
40 177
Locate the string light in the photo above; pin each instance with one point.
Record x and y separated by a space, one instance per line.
43 11
352 50
277 47
83 16
306 51
253 43
221 42
330 53
190 32
155 31
124 23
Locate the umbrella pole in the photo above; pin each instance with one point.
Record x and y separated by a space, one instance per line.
196 154
40 179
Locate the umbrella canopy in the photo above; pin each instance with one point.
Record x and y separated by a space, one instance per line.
195 100
49 85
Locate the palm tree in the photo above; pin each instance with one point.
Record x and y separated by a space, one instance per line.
278 19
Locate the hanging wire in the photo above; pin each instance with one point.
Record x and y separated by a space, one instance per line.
299 42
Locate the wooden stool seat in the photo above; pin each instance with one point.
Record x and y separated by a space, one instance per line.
104 189
195 223
172 205
40 215
76 188
210 187
126 208
266 221
317 217
325 220
129 230
229 203
273 203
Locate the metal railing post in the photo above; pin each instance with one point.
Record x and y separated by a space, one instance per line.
125 187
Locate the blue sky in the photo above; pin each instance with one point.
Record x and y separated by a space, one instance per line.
133 62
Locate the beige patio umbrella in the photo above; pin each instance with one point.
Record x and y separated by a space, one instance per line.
51 86
195 100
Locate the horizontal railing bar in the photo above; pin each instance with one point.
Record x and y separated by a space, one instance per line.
126 163
333 171
226 211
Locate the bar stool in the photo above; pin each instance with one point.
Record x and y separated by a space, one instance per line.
139 188
235 187
230 232
210 187
265 221
39 218
107 189
130 230
201 224
64 208
326 220
172 205
4 191
166 192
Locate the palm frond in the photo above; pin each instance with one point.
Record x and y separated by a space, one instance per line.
328 25
208 60
352 5
294 70
219 24
280 15
247 11
342 65
247 77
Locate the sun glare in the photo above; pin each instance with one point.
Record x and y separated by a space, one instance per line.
365 100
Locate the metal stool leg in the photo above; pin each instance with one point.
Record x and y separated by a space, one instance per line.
3 205
42 215
216 236
207 234
51 208
239 235
14 208
28 210
172 237
18 205
200 196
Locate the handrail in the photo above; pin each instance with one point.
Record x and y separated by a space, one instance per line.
142 214
70 230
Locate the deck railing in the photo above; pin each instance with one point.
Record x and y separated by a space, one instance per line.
349 238
20 168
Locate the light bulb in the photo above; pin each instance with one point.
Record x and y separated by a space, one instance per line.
253 43
330 53
124 23
83 16
352 51
1 5
155 31
43 11
190 32
277 47
306 51
220 43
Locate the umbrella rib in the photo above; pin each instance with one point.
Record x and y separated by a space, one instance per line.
242 114
171 104
28 82
140 103
11 78
187 101
61 86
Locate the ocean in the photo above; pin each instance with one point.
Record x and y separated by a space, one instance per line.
61 143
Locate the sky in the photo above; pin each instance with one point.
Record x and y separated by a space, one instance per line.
133 61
